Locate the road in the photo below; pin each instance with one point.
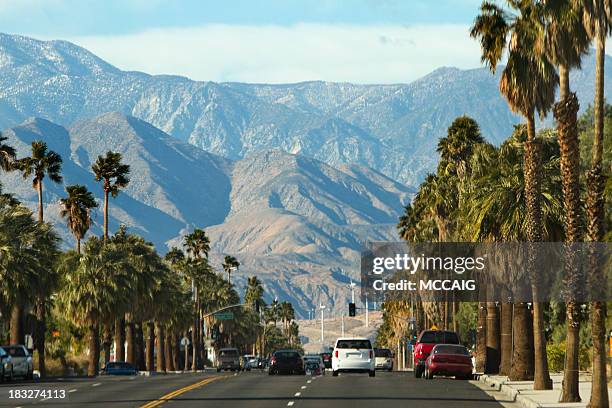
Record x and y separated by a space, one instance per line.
258 390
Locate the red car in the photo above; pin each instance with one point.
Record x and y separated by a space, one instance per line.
449 360
426 342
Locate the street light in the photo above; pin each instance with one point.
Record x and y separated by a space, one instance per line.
322 308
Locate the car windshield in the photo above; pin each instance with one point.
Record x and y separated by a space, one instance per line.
119 366
16 351
228 353
439 337
382 353
286 354
354 344
451 350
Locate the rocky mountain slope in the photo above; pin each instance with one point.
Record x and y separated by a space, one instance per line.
296 222
390 128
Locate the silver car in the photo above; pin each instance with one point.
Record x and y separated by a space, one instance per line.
23 365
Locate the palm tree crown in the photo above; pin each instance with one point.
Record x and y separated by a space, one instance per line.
76 208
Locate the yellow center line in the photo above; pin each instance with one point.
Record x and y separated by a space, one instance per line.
180 391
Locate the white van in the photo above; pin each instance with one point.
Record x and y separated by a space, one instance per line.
353 354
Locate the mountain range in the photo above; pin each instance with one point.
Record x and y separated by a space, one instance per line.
291 179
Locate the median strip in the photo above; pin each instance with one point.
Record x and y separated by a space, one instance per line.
180 391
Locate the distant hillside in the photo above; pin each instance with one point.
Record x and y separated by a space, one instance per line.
391 128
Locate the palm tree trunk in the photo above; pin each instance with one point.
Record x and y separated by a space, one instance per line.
78 246
17 329
506 338
140 348
93 366
186 365
565 112
130 340
168 351
120 339
150 346
492 339
194 335
106 344
532 161
40 201
595 233
176 355
41 328
159 347
522 358
481 338
105 215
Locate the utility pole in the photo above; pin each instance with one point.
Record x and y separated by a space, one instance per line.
322 307
342 316
366 308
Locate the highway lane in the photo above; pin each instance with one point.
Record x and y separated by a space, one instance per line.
258 390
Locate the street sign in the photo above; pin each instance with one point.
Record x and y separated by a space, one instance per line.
224 316
185 341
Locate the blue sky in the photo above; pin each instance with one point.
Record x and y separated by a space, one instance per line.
363 41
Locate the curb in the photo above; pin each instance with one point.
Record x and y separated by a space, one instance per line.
513 394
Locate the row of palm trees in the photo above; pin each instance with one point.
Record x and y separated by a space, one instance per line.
117 287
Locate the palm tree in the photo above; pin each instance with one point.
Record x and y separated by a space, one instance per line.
7 155
229 264
42 163
114 176
76 208
598 21
528 83
286 314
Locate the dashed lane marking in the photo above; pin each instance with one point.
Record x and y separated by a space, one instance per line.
290 403
303 387
297 394
96 384
72 390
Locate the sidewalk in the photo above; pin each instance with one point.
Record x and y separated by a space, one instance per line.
523 393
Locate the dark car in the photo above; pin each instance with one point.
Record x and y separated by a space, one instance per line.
286 362
327 359
449 360
426 342
119 368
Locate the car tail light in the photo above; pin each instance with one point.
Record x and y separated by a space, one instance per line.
273 360
336 353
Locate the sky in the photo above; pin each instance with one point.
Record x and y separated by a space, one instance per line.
271 41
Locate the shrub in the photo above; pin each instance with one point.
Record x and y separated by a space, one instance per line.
555 353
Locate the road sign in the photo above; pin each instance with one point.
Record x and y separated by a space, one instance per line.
185 341
224 316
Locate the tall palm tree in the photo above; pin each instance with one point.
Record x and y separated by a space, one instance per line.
76 208
597 17
42 163
114 175
528 83
229 264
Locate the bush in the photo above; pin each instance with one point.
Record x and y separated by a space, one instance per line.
556 357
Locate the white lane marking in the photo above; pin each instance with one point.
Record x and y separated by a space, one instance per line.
297 394
96 384
72 390
44 399
290 403
308 382
303 387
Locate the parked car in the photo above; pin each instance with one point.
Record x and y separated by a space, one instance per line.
249 362
6 366
383 359
449 360
228 359
286 361
353 355
314 363
327 358
119 368
23 366
426 342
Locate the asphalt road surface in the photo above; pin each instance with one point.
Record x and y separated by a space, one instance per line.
258 390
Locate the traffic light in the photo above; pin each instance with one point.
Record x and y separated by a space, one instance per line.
352 309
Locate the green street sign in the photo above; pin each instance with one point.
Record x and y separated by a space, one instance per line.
224 316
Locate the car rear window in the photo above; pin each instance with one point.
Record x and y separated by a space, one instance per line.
451 350
119 366
354 344
382 353
287 354
439 337
16 351
228 353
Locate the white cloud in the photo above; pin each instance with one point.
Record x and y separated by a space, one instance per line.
278 54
